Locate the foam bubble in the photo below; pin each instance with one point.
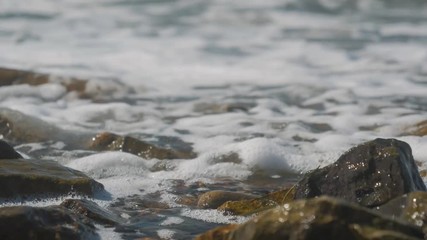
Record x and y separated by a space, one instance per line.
212 216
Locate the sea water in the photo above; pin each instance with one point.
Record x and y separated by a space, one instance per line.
286 85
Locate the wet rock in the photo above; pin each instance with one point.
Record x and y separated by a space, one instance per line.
249 206
420 129
112 142
214 199
7 151
23 222
92 211
370 174
94 89
411 207
22 177
219 233
12 76
320 218
20 128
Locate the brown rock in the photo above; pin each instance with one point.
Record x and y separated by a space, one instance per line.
317 219
219 233
420 129
92 211
22 177
113 142
12 76
214 199
250 206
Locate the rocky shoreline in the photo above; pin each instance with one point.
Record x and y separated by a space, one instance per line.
373 191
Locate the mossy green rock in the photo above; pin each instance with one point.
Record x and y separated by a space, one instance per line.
321 218
22 177
107 141
23 222
92 211
214 199
250 206
369 174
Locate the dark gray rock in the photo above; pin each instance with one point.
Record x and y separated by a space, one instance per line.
23 222
7 151
369 174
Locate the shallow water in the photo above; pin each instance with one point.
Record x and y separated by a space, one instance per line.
282 87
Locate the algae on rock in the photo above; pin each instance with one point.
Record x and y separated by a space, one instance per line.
250 206
315 219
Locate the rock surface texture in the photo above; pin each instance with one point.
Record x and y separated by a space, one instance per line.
23 222
7 151
92 211
23 177
369 174
315 219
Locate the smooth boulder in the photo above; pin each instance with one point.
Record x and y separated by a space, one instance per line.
32 177
24 222
369 174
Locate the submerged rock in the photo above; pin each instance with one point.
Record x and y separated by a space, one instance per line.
23 222
319 218
7 151
21 128
214 199
92 211
369 174
249 206
113 142
22 177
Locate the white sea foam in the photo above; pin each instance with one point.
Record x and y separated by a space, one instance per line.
212 216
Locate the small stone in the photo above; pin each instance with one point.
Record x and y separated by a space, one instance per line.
214 199
112 142
92 211
419 129
250 206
